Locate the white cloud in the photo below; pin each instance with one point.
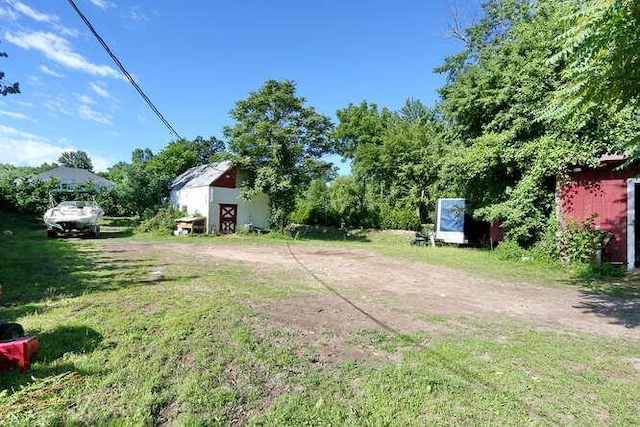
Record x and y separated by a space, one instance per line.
98 88
8 14
100 164
57 104
14 115
88 113
102 4
49 71
84 99
58 49
137 15
25 149
66 31
32 13
26 104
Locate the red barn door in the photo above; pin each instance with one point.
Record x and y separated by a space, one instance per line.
228 218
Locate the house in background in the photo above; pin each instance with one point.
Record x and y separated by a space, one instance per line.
611 193
71 178
214 191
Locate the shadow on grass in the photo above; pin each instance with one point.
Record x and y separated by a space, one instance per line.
66 339
623 311
317 232
617 298
54 345
36 269
115 232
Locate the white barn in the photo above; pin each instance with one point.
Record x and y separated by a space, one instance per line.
214 191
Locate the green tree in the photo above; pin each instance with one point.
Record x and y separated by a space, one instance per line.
601 50
600 60
313 206
501 155
208 150
76 159
396 157
7 88
178 156
359 126
279 142
138 191
348 204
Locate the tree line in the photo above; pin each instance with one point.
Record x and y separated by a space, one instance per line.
538 86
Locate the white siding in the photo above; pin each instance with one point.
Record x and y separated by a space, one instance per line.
254 211
194 199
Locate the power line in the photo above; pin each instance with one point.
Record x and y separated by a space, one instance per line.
124 71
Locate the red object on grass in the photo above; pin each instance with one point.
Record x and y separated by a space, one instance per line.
18 352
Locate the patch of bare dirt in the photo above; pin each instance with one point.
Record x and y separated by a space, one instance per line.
366 289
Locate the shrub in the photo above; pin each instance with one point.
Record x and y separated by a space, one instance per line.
580 240
509 249
399 218
162 222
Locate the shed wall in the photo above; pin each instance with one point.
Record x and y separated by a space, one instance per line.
255 211
601 191
194 200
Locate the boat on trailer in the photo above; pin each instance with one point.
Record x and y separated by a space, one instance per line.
69 217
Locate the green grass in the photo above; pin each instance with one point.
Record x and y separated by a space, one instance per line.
120 346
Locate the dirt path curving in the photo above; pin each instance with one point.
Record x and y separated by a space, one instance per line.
367 288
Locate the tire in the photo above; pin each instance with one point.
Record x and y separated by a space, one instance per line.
52 234
9 331
94 231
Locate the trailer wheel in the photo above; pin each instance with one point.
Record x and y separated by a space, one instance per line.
52 234
9 331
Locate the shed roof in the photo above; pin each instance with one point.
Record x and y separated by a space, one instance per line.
201 176
72 176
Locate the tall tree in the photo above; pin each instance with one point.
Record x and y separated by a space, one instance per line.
279 141
359 126
503 157
600 57
76 159
7 88
208 150
601 49
395 157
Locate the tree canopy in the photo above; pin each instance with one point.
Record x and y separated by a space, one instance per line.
506 155
279 142
76 159
600 61
7 88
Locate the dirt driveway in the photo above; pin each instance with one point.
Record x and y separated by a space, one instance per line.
361 288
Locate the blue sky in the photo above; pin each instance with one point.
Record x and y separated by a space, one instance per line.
195 59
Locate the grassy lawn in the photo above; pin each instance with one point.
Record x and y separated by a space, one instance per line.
121 345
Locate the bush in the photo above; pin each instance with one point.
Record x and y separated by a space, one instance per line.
394 218
580 240
593 271
162 222
510 250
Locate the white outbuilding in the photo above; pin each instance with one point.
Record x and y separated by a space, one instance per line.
214 191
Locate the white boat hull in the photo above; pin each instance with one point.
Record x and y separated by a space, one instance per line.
70 217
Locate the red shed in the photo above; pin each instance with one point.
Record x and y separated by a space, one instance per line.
610 193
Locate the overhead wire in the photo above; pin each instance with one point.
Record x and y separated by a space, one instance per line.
124 71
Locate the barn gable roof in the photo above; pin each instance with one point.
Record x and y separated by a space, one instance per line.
201 176
72 177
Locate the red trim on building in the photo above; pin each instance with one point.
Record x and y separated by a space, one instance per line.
227 180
